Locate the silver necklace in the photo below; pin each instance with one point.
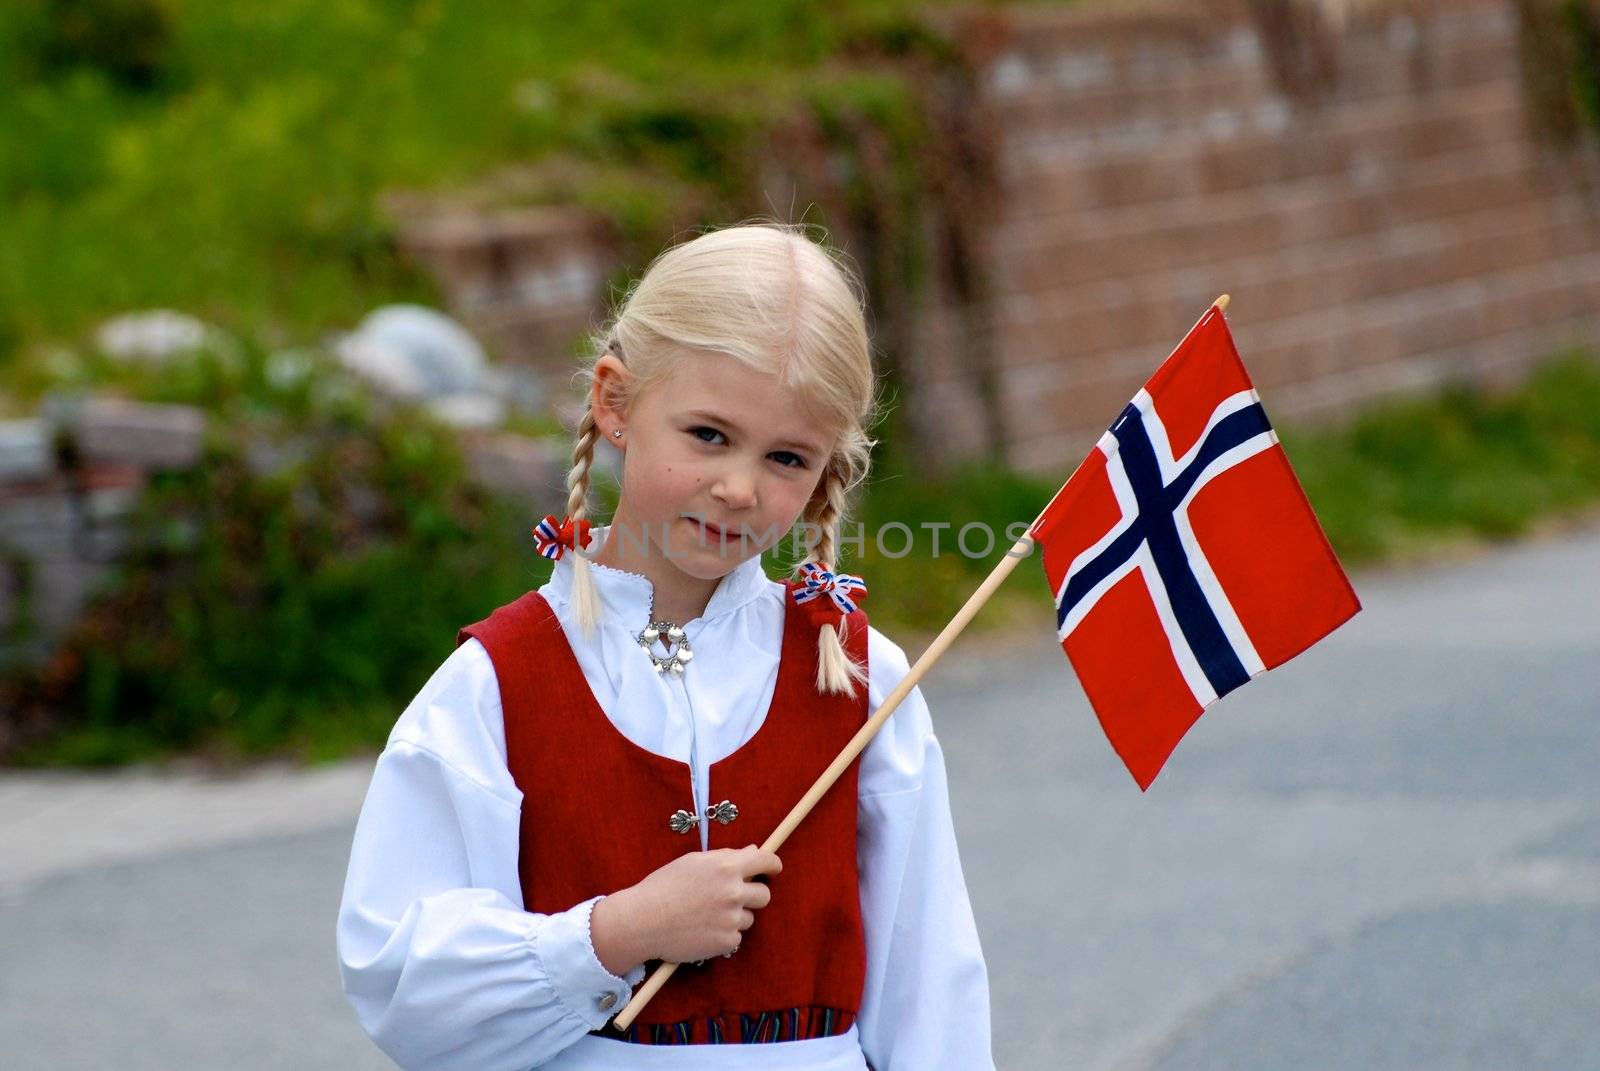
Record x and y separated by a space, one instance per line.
678 657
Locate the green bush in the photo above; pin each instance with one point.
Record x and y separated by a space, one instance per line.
279 608
128 41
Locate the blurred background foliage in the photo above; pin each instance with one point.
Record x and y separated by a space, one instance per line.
282 606
228 160
1560 45
260 620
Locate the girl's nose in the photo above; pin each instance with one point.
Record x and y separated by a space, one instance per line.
735 491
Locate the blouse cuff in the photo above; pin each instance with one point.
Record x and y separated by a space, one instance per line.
582 983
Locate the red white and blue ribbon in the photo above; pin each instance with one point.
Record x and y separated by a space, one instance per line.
827 597
551 537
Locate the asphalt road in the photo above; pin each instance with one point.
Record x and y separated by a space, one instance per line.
1383 855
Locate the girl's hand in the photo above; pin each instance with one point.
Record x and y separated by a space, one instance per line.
695 907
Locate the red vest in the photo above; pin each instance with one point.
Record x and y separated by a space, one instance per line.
596 810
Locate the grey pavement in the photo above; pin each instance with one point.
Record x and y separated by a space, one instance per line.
1385 854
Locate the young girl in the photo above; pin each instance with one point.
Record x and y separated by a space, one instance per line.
581 787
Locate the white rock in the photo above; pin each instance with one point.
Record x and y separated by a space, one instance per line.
476 411
287 369
382 367
154 335
412 351
25 452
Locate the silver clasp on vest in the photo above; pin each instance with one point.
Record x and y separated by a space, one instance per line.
682 821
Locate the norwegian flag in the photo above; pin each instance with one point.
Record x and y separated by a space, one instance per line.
1183 554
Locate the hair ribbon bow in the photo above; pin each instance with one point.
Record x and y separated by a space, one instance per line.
828 597
551 537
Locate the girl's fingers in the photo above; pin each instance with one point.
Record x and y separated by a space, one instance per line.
746 920
757 895
760 862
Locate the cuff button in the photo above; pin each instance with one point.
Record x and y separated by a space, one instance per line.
608 1002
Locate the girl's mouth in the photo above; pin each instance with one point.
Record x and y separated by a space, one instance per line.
710 531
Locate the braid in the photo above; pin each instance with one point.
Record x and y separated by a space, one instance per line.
836 670
584 598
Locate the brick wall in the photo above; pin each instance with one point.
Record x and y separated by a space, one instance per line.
1391 227
1396 230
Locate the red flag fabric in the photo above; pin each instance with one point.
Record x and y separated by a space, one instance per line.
1183 554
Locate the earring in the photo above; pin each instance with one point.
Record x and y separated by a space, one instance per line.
616 433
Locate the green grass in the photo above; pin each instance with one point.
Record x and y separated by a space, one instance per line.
241 182
231 167
1408 476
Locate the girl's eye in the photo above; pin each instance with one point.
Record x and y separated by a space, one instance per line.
786 458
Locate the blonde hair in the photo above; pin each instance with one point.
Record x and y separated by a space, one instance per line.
766 295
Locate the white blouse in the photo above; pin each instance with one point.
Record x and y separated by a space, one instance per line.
444 967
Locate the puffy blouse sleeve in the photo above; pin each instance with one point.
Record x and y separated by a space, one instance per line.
438 958
926 1003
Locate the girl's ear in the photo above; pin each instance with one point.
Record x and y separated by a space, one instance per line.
608 395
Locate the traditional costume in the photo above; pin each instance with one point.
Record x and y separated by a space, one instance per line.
539 770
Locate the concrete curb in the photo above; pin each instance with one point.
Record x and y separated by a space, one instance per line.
54 822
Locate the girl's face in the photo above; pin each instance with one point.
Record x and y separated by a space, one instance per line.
718 462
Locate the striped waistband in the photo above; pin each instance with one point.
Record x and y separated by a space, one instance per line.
732 1028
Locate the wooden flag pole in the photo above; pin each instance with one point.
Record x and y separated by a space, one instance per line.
857 744
1021 549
